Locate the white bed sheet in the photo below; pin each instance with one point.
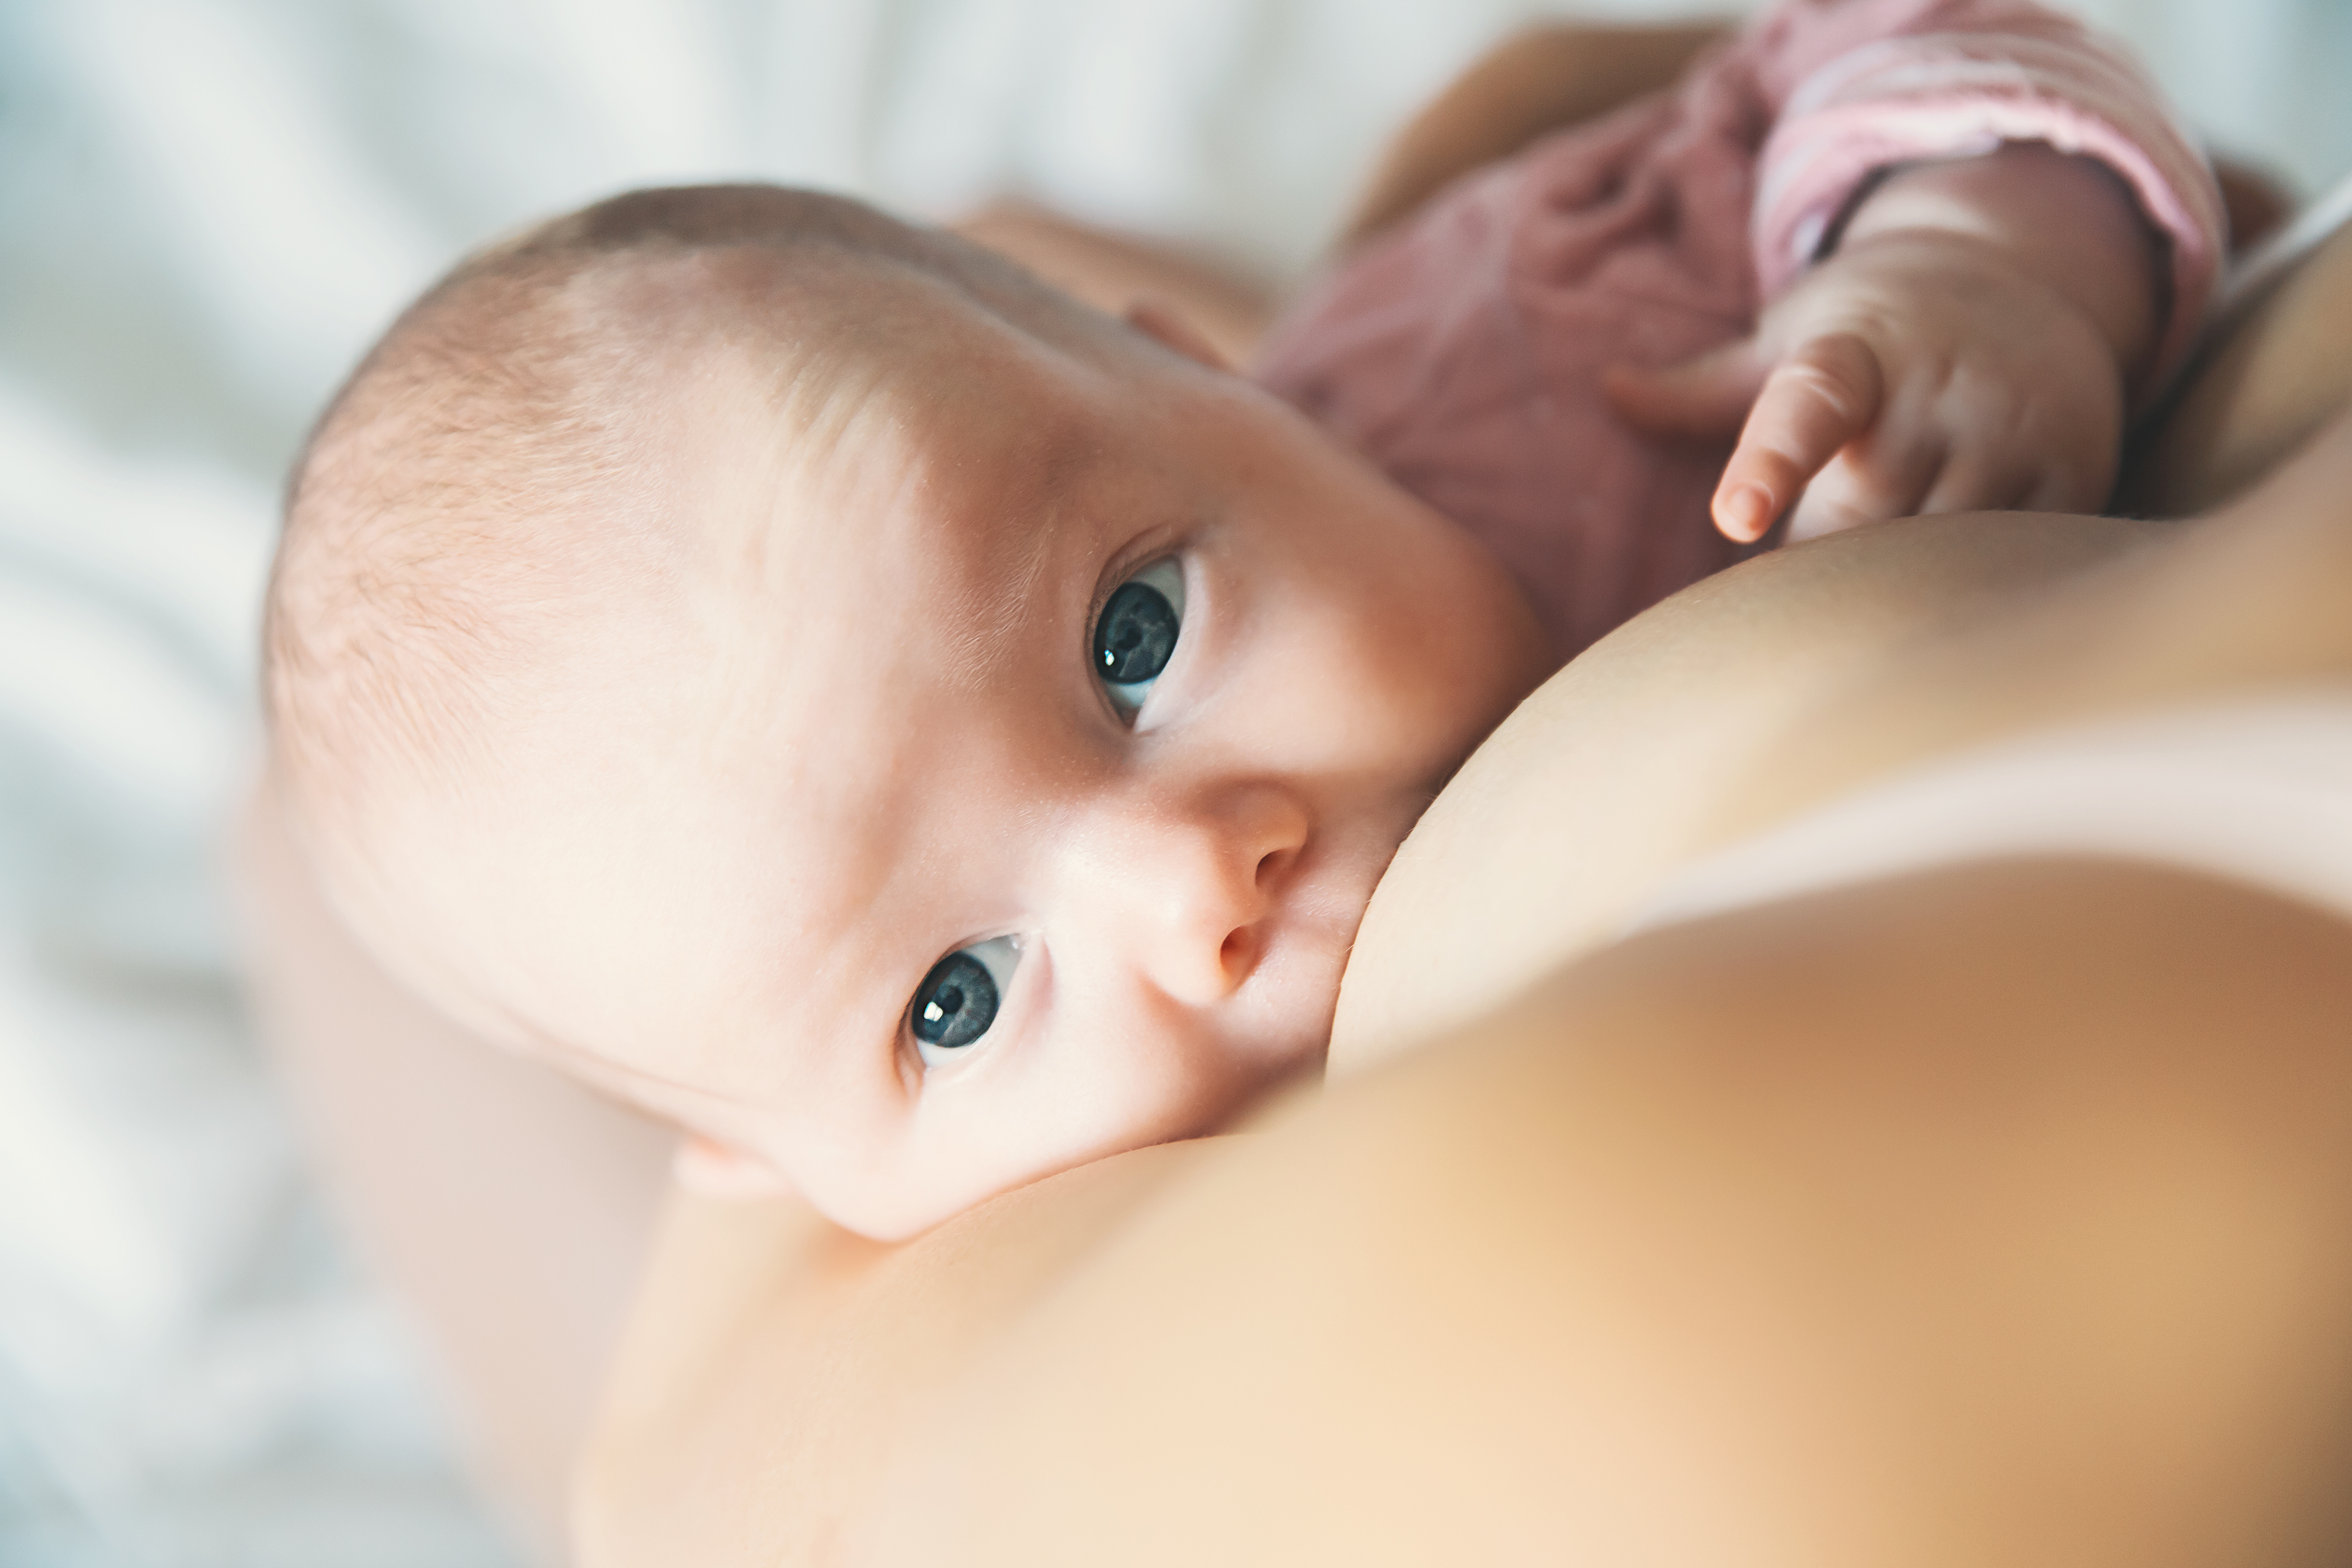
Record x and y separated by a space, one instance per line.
206 209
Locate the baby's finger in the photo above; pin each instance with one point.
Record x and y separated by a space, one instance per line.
1705 397
1814 402
2011 481
1841 496
1883 474
1974 481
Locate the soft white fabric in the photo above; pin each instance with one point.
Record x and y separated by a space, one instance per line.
2258 791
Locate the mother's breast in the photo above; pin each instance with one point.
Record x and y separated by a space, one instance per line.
1607 777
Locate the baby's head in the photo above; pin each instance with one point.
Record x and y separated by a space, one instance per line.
806 677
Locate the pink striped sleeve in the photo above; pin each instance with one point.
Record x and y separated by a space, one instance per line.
1859 85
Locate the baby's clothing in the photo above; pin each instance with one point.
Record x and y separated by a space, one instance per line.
1463 350
2256 790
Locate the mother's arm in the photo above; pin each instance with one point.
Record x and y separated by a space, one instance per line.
1534 81
1538 81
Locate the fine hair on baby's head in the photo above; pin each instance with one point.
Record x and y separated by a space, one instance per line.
798 672
494 465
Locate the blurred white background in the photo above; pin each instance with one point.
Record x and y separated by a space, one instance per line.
207 208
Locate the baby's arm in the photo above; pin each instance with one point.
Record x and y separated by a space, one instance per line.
1969 330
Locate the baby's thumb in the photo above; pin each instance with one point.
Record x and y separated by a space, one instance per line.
1708 397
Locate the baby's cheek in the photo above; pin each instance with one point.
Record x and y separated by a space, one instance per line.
1437 695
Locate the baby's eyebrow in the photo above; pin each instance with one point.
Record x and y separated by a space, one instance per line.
1025 545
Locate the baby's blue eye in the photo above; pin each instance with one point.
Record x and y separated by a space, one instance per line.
1136 633
957 1001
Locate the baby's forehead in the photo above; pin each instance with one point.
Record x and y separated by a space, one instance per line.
927 472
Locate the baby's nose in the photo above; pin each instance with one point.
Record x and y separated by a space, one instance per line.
1200 887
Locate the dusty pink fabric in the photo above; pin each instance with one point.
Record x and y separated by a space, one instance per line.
1463 352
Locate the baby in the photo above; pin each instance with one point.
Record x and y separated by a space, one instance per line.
802 676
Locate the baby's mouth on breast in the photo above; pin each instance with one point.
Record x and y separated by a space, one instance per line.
1308 939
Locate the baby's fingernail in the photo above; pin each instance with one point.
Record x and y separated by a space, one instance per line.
1748 510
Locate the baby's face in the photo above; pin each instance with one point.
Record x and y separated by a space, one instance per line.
1003 782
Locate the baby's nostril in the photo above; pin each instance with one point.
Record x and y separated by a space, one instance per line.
1234 949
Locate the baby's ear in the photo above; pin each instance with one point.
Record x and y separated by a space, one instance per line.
714 1170
1157 319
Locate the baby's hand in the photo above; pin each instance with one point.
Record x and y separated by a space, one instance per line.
1945 359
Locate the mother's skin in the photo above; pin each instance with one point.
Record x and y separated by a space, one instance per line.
1785 1233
